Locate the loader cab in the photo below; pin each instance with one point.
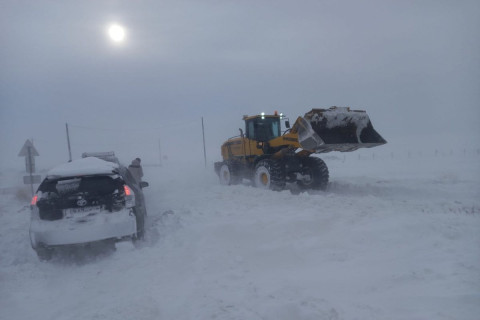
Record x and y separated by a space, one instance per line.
262 128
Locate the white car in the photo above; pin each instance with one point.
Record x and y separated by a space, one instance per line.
85 201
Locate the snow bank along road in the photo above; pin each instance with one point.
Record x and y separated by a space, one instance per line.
389 239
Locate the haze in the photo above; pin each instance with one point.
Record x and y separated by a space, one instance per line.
414 66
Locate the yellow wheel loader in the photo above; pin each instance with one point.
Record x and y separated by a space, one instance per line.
270 158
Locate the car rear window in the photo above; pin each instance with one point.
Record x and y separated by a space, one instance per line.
98 185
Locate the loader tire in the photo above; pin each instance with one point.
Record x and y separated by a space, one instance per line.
318 172
269 174
227 175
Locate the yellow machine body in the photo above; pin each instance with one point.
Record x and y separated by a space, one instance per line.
263 150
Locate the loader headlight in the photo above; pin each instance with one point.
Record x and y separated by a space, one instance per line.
263 115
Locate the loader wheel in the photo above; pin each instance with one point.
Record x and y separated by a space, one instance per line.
317 170
269 174
227 176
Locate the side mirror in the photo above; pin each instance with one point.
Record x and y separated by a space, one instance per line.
143 184
287 124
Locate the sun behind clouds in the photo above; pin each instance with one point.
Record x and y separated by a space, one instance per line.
116 33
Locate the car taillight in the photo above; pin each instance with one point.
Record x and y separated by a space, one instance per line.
129 197
34 200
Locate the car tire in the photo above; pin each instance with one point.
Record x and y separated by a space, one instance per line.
44 254
140 219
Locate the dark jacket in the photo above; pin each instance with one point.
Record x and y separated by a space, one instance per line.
136 170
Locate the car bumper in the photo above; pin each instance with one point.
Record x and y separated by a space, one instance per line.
93 228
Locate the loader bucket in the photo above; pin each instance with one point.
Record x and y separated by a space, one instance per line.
337 129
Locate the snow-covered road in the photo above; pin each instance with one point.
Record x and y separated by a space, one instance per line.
389 239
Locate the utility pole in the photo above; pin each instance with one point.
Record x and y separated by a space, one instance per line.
160 152
68 141
204 150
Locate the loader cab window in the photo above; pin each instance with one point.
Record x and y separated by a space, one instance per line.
263 129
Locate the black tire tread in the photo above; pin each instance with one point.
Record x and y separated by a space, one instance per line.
44 254
319 171
277 173
235 172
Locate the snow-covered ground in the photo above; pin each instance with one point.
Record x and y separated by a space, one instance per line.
391 238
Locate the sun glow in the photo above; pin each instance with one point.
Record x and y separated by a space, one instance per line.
116 33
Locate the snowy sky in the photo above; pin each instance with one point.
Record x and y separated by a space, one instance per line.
413 65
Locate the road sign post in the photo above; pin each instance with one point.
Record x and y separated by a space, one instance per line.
31 179
29 152
30 164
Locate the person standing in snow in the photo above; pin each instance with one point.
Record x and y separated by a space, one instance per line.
136 169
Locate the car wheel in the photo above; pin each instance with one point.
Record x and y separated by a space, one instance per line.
44 254
140 219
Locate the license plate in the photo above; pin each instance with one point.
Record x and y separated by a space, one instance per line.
70 212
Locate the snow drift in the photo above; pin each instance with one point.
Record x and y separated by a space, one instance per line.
389 239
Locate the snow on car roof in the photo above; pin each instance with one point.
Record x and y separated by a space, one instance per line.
84 166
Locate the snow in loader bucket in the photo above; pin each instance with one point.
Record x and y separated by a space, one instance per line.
337 129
